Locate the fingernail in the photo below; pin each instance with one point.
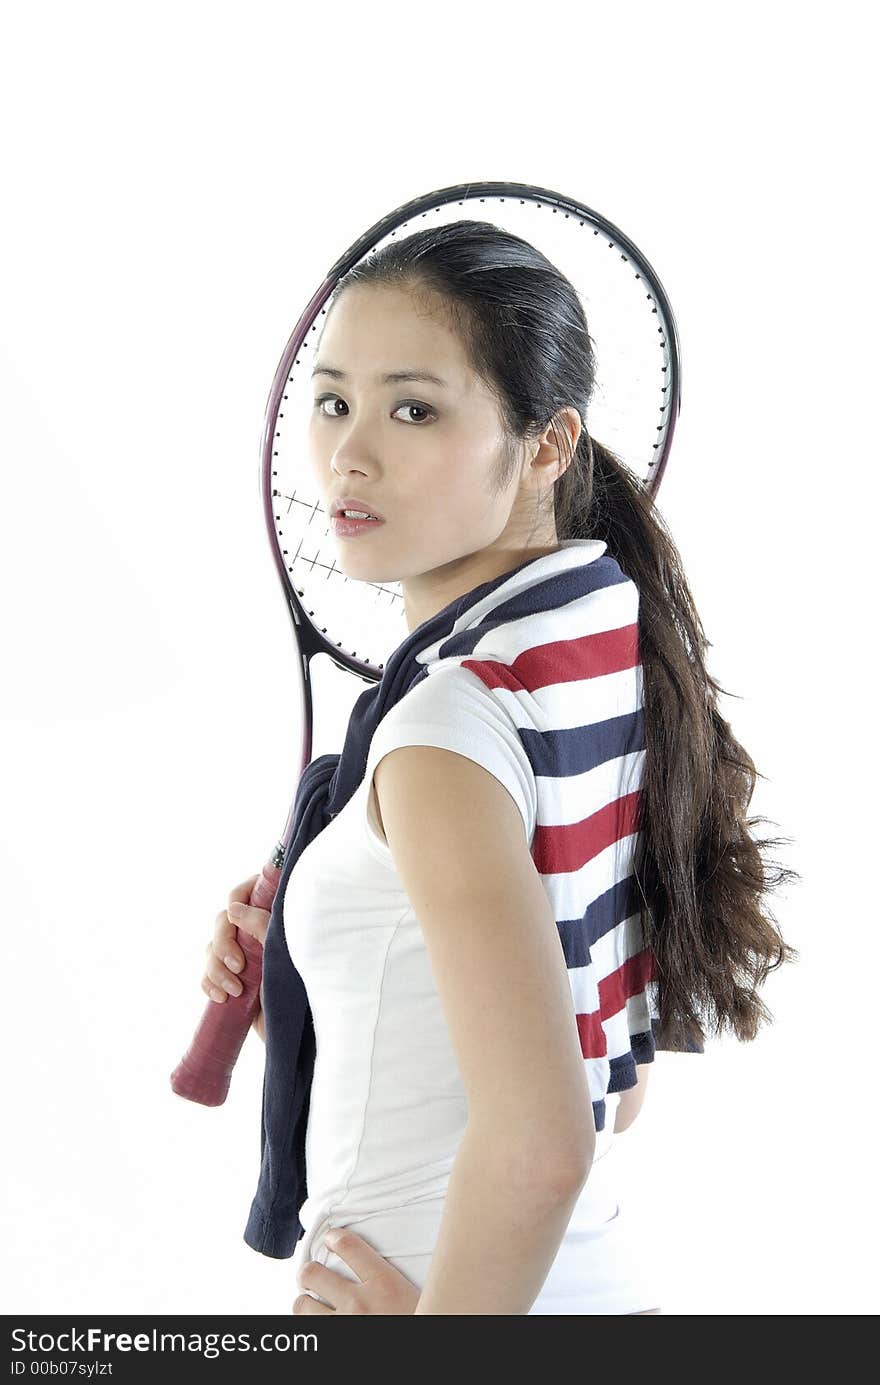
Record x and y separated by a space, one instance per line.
232 963
235 911
233 987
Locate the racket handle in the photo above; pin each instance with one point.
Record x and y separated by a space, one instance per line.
204 1072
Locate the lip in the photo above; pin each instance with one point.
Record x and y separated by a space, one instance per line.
350 502
350 528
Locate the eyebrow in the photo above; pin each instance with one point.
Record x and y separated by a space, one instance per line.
393 378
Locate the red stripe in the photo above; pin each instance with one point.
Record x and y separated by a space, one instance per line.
629 980
562 661
569 845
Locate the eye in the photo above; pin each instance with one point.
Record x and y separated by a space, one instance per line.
404 404
413 404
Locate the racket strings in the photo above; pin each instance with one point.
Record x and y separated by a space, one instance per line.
343 611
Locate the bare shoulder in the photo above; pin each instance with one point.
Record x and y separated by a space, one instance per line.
431 802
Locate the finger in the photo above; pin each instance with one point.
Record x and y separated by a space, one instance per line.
221 976
357 1253
306 1306
212 991
225 945
241 894
334 1286
253 920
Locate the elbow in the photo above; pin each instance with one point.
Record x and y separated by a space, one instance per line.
550 1175
573 1160
549 1167
573 1175
562 1181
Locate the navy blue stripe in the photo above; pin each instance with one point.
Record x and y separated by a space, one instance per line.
577 749
601 916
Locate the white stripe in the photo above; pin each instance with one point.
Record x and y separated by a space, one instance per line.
589 700
565 801
561 706
596 612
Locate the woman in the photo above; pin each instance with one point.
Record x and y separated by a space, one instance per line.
452 1124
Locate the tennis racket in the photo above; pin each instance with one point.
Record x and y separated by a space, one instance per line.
358 624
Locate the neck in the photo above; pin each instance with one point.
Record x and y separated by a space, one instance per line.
429 592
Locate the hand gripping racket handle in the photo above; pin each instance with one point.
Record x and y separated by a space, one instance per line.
204 1072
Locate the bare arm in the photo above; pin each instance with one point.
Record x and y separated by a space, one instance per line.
631 1100
458 843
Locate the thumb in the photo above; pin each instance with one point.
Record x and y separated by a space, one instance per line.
253 920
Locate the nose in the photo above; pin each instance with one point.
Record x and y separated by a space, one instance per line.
349 474
353 453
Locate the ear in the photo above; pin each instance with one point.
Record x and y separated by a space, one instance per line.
557 444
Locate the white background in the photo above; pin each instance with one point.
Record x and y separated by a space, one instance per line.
177 179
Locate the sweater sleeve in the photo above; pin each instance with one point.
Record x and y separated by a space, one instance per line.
454 710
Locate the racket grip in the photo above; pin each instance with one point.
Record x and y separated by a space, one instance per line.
204 1072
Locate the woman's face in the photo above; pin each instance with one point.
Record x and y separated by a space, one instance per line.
418 453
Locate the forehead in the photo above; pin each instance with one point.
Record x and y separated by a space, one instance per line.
372 331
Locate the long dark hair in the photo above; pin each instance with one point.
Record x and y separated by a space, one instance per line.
701 874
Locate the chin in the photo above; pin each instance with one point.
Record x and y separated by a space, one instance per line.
361 569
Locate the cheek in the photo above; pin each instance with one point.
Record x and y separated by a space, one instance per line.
458 490
316 462
478 511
